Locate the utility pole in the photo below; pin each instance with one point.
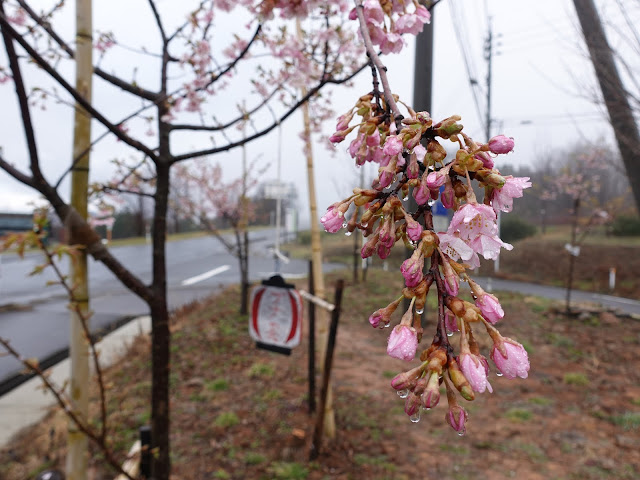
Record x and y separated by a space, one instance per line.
488 56
614 94
77 442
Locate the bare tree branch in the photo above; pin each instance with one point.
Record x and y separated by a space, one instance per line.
287 114
6 26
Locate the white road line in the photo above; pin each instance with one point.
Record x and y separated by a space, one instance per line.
205 275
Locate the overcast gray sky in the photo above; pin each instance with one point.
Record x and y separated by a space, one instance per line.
539 75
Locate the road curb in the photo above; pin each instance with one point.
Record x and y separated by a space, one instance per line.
26 404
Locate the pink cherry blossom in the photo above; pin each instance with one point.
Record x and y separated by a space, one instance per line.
457 249
490 307
472 220
403 342
516 361
391 43
373 12
475 371
502 198
501 144
489 246
457 417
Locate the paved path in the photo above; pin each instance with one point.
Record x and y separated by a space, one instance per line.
625 305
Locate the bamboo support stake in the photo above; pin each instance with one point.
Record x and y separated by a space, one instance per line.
322 319
77 442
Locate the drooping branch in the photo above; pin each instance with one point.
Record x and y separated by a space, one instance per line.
373 55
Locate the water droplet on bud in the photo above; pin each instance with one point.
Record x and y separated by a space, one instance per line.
344 225
415 418
420 311
449 334
403 393
387 325
461 433
405 198
498 373
430 202
347 233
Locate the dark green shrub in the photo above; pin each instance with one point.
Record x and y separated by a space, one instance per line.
513 229
626 226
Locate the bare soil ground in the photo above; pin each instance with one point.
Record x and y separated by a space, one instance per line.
241 413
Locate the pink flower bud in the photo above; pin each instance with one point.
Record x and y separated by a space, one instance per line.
515 361
369 247
337 137
412 269
457 417
475 370
431 395
435 180
407 380
450 322
333 219
421 194
485 158
343 121
414 229
451 278
490 307
392 146
412 404
383 251
501 144
353 15
448 197
383 315
386 177
403 343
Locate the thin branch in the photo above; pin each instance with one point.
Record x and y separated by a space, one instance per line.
127 86
156 15
305 98
23 100
17 174
84 322
65 405
6 26
230 123
108 189
382 70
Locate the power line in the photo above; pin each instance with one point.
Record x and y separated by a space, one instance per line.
458 27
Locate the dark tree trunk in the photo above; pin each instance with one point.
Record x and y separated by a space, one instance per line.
613 91
243 257
160 335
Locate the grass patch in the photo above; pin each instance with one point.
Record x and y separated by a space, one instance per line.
288 471
518 415
542 401
576 378
226 420
379 461
261 370
217 385
627 420
254 458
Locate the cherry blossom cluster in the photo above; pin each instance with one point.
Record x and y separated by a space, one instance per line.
411 155
388 20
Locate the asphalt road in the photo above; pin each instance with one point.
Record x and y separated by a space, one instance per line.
37 320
